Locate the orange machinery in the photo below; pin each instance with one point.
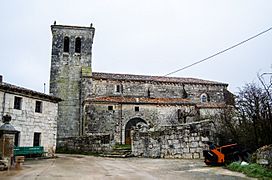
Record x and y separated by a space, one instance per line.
224 154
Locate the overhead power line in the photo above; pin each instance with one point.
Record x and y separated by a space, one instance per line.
220 52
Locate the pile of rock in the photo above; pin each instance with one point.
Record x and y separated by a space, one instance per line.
264 155
3 165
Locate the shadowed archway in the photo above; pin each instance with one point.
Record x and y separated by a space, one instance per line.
130 124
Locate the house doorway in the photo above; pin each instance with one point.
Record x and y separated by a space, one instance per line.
130 124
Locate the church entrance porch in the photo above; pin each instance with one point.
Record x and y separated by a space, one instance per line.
129 126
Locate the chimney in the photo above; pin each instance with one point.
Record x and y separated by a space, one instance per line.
1 78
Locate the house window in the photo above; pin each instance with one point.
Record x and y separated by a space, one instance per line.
78 45
66 44
17 103
38 107
17 139
204 98
148 92
137 108
37 139
110 108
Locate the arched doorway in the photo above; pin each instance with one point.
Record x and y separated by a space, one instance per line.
130 124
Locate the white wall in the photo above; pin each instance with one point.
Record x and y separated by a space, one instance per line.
27 121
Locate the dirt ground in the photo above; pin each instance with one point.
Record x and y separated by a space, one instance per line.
89 167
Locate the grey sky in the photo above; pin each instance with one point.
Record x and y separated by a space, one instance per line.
149 37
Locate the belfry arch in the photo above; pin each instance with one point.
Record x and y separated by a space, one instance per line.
131 124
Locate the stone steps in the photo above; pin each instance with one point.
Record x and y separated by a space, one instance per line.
118 153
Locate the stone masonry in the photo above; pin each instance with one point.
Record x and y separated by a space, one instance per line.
160 101
26 119
105 103
65 78
85 144
186 141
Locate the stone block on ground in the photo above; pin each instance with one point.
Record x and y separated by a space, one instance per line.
264 155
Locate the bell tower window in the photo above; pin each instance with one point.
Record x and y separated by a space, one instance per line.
78 45
66 44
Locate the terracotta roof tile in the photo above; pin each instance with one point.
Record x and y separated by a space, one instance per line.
26 92
211 105
141 100
131 77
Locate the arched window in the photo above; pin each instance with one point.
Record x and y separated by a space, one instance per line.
78 45
204 98
66 44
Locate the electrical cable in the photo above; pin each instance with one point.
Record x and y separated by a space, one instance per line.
220 52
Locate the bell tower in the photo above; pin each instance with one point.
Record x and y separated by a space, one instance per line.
71 60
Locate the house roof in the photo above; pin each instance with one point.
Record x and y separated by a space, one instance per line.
140 100
6 87
164 79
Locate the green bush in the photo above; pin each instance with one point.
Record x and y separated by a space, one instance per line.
251 170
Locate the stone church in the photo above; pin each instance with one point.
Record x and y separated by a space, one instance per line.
113 104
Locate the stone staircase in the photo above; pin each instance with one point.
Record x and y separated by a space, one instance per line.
118 152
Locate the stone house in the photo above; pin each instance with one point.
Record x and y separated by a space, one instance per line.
33 114
113 104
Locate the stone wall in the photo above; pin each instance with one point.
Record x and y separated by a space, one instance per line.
158 90
66 73
98 119
184 141
92 143
27 121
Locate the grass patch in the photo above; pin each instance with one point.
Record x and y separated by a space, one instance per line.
251 170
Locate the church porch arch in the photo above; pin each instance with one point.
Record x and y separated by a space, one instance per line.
129 126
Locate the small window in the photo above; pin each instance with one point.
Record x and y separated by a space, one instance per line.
137 108
38 107
37 139
204 98
17 139
78 45
118 89
66 44
110 108
184 93
17 103
148 93
181 116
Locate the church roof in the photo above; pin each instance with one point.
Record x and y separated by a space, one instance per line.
140 100
164 79
210 105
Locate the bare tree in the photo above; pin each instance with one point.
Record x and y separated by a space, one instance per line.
249 122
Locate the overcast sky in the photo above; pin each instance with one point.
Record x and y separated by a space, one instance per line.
148 37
